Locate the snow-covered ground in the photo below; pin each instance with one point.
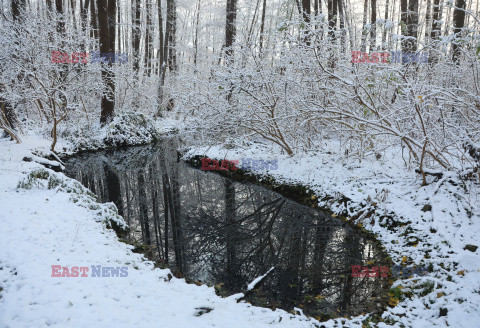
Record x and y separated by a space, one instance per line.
52 220
428 225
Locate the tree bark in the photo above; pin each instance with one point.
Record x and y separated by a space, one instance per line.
230 29
136 34
458 24
364 26
384 35
94 19
148 38
18 6
107 21
428 20
373 28
404 23
262 25
9 115
412 25
171 32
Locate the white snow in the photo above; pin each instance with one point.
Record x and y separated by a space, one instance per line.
257 280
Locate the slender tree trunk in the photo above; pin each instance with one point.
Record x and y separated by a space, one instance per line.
230 35
262 24
172 35
94 19
195 42
84 7
404 23
136 33
230 29
148 38
107 22
306 14
332 18
18 6
384 34
412 25
343 42
161 60
458 25
7 111
428 21
61 21
373 28
364 26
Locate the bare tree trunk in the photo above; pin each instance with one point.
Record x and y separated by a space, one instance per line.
428 21
136 34
230 29
107 23
148 38
195 42
60 22
458 24
306 14
364 26
332 18
7 111
262 25
18 6
84 8
412 25
384 35
373 28
161 60
348 21
171 32
94 19
404 23
343 32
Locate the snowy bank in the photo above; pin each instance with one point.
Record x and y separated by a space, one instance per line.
436 226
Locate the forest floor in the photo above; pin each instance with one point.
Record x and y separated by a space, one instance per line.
48 219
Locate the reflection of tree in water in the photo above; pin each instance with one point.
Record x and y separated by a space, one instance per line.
218 231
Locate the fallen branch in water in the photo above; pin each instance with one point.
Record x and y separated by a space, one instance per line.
251 286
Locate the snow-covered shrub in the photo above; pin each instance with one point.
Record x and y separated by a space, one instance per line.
47 179
129 129
299 95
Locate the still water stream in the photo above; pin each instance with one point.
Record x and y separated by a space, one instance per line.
213 230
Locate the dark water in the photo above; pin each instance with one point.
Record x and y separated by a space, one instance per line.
224 233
